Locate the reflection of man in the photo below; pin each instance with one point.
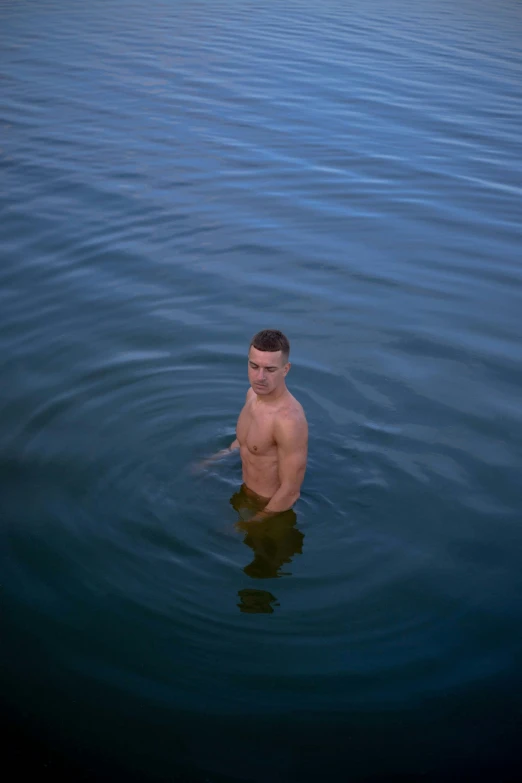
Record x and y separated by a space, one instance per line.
256 601
272 432
274 540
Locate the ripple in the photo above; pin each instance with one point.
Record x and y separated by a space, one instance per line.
173 182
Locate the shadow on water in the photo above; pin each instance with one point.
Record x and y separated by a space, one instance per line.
274 542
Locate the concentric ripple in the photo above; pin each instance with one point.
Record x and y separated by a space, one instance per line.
175 177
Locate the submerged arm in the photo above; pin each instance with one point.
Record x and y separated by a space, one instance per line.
223 453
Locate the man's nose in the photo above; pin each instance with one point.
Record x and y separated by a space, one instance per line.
261 374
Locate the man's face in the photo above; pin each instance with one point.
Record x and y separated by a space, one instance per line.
266 370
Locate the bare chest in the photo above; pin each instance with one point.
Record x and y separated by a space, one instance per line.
255 430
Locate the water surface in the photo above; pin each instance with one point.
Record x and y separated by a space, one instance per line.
176 176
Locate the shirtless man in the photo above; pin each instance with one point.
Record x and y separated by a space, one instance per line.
272 432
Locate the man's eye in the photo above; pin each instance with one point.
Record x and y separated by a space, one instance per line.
271 369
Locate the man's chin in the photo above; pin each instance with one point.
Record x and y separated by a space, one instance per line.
260 389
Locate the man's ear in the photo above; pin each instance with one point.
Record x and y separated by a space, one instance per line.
287 367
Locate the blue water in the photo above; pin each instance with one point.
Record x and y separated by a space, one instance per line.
175 177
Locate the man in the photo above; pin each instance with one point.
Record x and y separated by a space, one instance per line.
272 432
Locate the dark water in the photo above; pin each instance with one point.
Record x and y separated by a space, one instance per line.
176 176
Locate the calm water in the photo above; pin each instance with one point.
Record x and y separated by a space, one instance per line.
176 176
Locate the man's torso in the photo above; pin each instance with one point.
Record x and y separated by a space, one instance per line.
258 448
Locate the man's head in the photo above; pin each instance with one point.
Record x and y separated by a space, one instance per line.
268 361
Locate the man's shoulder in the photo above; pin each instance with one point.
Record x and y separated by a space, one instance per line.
293 410
291 419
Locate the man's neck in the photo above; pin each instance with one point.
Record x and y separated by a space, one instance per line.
273 397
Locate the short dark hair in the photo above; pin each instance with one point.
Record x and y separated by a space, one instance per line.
271 340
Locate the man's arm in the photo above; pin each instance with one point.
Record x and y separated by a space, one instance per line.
292 449
224 452
219 454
